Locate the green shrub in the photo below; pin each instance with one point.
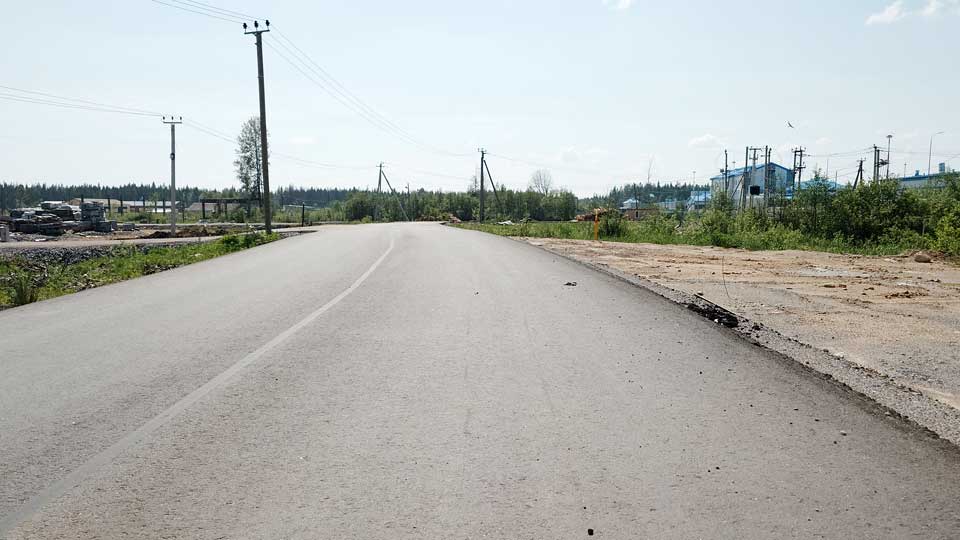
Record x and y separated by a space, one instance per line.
948 233
612 225
24 290
231 242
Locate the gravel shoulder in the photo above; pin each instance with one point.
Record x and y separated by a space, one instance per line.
887 327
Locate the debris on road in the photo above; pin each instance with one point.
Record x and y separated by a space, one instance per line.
570 284
896 316
714 312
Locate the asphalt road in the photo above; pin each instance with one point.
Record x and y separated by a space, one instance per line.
417 381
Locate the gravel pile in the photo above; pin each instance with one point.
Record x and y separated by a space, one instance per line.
71 254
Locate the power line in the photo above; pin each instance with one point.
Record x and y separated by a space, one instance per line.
37 101
842 154
430 173
88 102
198 12
560 167
210 7
273 153
297 58
338 87
342 97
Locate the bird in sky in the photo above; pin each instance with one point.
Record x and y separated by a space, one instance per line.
791 125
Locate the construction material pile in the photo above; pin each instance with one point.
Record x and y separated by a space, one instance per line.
54 219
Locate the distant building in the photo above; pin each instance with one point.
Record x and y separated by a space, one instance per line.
669 205
631 210
116 205
918 180
777 179
698 200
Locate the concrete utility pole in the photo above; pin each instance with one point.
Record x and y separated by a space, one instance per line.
483 164
889 138
265 161
726 171
877 163
767 154
798 166
376 209
173 171
930 154
743 179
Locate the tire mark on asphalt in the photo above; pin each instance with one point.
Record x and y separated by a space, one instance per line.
87 469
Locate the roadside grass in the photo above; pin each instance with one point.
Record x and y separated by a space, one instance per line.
23 281
655 231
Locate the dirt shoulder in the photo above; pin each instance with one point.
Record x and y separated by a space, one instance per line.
891 315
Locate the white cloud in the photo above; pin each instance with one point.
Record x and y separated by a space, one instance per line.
891 14
618 5
932 8
704 141
935 7
570 155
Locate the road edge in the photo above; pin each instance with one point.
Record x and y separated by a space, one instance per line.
937 420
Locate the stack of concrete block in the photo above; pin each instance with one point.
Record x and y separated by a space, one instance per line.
96 214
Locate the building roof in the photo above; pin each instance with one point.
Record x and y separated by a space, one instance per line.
739 171
699 196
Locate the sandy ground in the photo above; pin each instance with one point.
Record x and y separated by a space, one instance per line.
892 315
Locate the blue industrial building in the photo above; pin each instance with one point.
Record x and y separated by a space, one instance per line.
771 178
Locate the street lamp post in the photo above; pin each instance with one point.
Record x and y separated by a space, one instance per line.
930 154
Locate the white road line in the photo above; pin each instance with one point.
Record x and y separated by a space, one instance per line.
81 473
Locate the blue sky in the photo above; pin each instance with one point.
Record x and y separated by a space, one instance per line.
592 90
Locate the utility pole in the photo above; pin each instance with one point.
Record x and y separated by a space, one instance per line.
930 153
859 178
743 179
173 171
889 138
376 209
798 165
483 164
395 196
259 194
753 172
726 170
767 170
265 161
877 163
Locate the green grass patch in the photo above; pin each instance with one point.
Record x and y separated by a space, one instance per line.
23 281
663 230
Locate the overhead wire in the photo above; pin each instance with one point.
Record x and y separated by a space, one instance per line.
66 105
198 12
77 100
346 100
299 59
273 153
211 7
94 106
345 92
562 167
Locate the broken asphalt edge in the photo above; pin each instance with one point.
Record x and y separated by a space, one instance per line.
881 393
